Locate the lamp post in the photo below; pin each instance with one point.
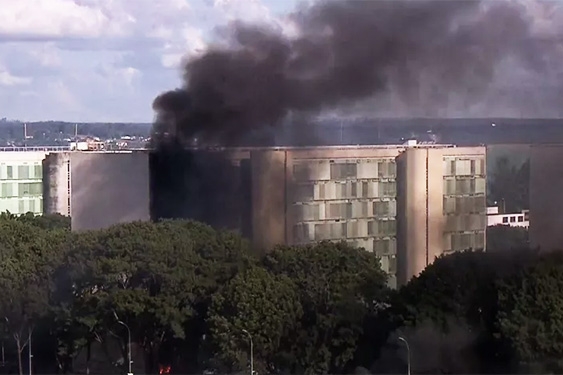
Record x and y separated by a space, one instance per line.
251 351
128 341
408 355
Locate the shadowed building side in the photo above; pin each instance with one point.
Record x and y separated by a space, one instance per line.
546 205
108 189
98 189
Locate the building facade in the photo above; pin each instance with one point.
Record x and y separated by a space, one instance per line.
97 189
546 205
408 204
441 205
518 219
21 181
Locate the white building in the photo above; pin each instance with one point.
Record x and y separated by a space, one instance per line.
520 219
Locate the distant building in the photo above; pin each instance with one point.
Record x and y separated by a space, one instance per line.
519 219
87 144
21 179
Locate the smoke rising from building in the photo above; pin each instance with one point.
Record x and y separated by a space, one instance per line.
417 57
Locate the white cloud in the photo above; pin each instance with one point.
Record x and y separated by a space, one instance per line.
52 19
7 79
90 60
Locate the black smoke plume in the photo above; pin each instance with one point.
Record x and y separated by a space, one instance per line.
427 56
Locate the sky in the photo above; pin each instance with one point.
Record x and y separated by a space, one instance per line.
106 60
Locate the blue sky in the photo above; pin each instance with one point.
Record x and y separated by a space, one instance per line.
106 60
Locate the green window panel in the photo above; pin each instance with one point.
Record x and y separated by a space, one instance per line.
23 172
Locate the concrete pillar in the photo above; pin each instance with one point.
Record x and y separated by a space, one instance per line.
268 181
412 239
56 183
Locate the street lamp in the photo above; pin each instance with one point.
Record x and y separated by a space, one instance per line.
251 352
128 342
408 355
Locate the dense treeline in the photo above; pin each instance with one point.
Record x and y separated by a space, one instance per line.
192 297
53 133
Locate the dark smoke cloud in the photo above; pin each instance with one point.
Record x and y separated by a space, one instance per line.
429 57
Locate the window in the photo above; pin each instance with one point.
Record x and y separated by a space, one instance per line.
304 193
23 172
339 210
449 167
6 190
380 208
343 170
463 167
21 206
505 219
27 189
449 186
387 189
9 172
520 219
513 219
37 171
365 189
354 191
306 212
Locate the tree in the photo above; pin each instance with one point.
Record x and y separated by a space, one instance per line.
154 277
28 257
459 290
338 285
530 315
267 306
507 238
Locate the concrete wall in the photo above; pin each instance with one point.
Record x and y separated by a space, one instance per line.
546 202
412 241
420 213
56 184
268 181
108 188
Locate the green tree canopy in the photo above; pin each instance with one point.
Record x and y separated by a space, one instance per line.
259 304
338 285
530 314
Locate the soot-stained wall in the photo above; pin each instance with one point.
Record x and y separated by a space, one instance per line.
212 187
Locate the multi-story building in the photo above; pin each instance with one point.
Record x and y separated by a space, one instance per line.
408 204
305 195
21 180
441 205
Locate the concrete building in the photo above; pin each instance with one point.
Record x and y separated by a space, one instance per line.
408 203
441 205
21 180
519 219
546 203
97 189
